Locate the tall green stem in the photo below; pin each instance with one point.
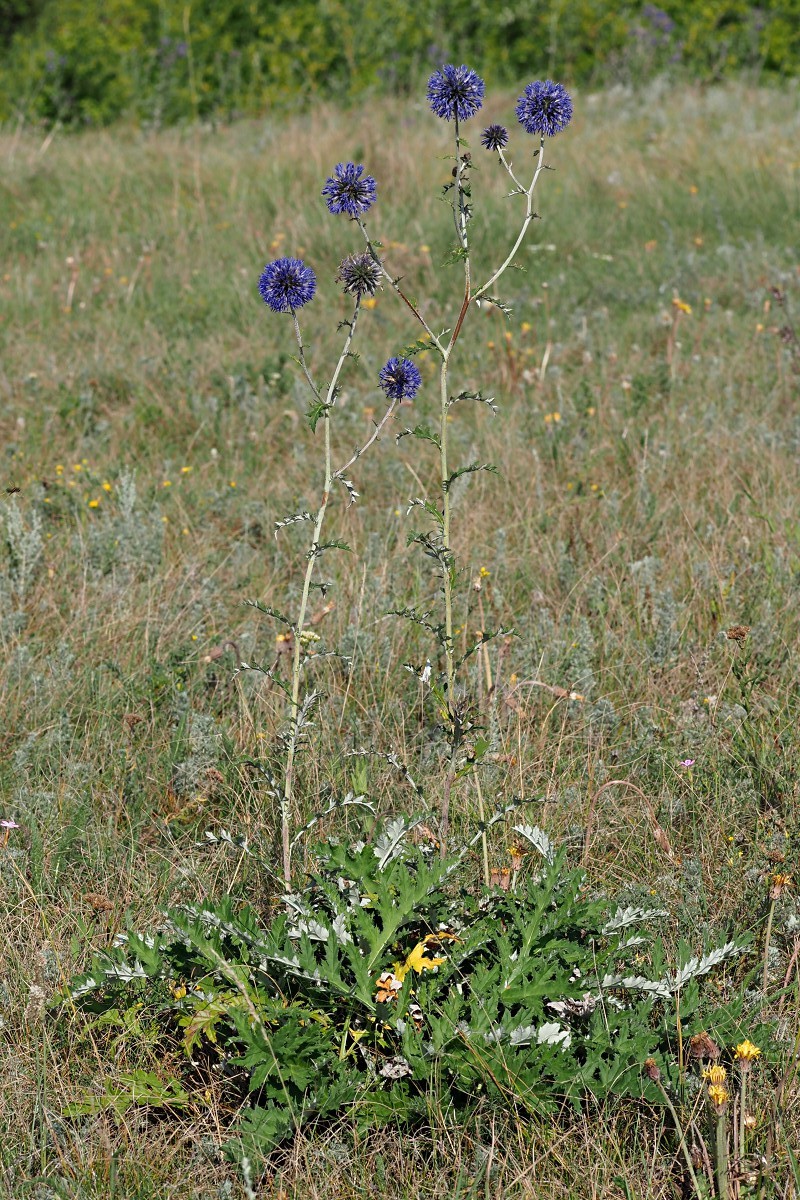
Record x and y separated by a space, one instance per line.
687 1158
767 940
447 573
291 752
723 1173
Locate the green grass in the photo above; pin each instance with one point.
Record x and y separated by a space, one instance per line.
622 539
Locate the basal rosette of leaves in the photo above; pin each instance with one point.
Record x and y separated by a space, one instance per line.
385 979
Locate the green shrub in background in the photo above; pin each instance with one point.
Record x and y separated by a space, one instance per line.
92 61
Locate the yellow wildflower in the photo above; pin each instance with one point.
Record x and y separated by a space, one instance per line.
715 1076
419 961
745 1054
682 306
719 1097
780 883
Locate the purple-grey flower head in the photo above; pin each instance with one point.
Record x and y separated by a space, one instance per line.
347 192
544 107
400 379
360 274
455 92
287 284
495 137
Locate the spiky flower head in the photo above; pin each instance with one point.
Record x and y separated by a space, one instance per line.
347 192
495 137
715 1075
360 274
719 1097
287 284
745 1054
455 92
400 379
544 107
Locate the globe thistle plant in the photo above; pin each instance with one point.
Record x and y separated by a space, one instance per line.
545 108
287 284
347 192
455 93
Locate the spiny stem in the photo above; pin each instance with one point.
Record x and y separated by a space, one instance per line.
330 399
376 258
372 438
529 216
446 569
459 211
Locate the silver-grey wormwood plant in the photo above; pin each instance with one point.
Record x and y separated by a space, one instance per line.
287 285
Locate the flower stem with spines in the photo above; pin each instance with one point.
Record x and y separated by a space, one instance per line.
330 399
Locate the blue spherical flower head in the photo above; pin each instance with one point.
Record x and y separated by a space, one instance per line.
455 92
347 192
495 137
287 284
400 379
544 107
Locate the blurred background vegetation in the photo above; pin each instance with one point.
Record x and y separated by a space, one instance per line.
90 62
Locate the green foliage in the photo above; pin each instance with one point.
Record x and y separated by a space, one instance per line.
89 61
385 981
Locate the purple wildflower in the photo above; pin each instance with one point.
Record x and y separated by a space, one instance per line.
544 107
287 284
495 137
455 92
347 192
400 379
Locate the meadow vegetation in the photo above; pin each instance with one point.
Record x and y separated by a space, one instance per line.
640 543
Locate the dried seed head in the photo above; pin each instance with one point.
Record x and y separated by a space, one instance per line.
738 633
702 1046
651 1070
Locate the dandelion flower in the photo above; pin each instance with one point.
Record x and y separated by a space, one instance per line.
287 284
715 1076
400 379
347 192
745 1054
455 92
779 884
544 107
719 1097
